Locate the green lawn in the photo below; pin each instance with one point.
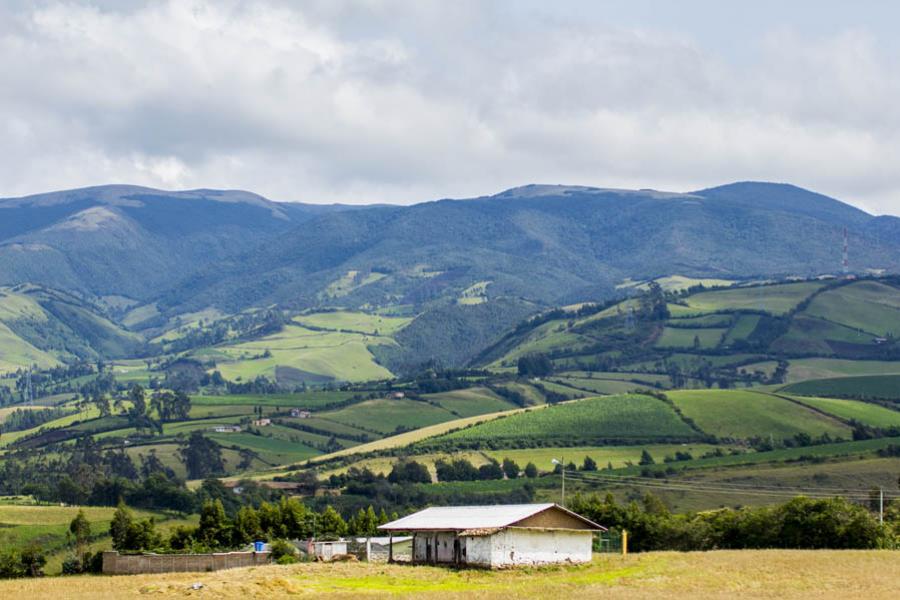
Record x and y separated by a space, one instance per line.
739 414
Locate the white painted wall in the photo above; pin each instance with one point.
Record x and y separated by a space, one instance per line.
478 550
536 547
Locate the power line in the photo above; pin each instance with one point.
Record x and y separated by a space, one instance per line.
751 486
721 489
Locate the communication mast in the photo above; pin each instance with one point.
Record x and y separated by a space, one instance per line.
29 390
845 262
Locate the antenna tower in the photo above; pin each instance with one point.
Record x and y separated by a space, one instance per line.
845 258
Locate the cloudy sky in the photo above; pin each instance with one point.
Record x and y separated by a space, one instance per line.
383 101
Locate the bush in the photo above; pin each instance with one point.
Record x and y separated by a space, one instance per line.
283 552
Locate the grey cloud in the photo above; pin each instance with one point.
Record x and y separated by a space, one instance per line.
405 101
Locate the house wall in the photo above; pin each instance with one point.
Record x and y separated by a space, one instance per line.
131 564
478 550
553 518
434 547
535 547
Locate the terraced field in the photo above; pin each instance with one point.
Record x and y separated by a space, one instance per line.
737 414
622 417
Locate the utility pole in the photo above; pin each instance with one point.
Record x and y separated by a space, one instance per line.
881 506
562 466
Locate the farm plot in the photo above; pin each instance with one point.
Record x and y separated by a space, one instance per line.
575 423
304 400
773 299
884 387
742 328
821 368
600 386
680 337
470 402
738 414
868 414
871 306
388 416
358 322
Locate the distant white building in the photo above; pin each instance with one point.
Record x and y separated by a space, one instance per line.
227 428
498 536
300 414
262 422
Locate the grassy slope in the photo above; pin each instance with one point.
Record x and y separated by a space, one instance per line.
386 415
470 402
743 414
775 299
869 414
340 355
354 321
867 386
820 368
622 417
870 306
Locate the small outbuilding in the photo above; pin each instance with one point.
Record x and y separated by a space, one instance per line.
498 536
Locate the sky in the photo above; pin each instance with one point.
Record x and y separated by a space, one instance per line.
405 101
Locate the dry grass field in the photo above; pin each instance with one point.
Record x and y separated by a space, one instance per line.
733 574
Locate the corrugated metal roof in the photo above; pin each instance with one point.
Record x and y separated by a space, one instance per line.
460 518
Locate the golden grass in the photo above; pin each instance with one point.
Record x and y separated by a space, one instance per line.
846 575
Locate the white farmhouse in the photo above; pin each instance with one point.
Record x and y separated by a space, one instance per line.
498 536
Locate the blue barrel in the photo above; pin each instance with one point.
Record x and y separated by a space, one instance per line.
259 546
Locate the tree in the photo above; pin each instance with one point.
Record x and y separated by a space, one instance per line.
531 470
409 471
138 402
491 470
510 468
129 535
80 531
646 459
201 456
534 365
213 529
331 525
589 464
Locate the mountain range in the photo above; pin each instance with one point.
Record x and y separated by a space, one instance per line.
468 269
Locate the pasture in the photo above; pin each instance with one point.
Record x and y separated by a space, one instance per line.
884 387
783 574
682 337
870 306
572 423
868 414
773 299
738 414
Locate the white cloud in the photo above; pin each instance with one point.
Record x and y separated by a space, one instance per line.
406 101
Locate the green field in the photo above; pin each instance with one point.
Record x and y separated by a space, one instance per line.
610 417
885 387
307 354
737 414
601 386
820 368
868 414
387 415
273 450
354 322
678 337
742 328
870 306
773 299
470 401
305 400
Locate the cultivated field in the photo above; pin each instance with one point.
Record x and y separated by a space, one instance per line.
622 417
843 575
885 387
741 414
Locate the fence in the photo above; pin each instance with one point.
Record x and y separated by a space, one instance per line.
132 564
608 542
